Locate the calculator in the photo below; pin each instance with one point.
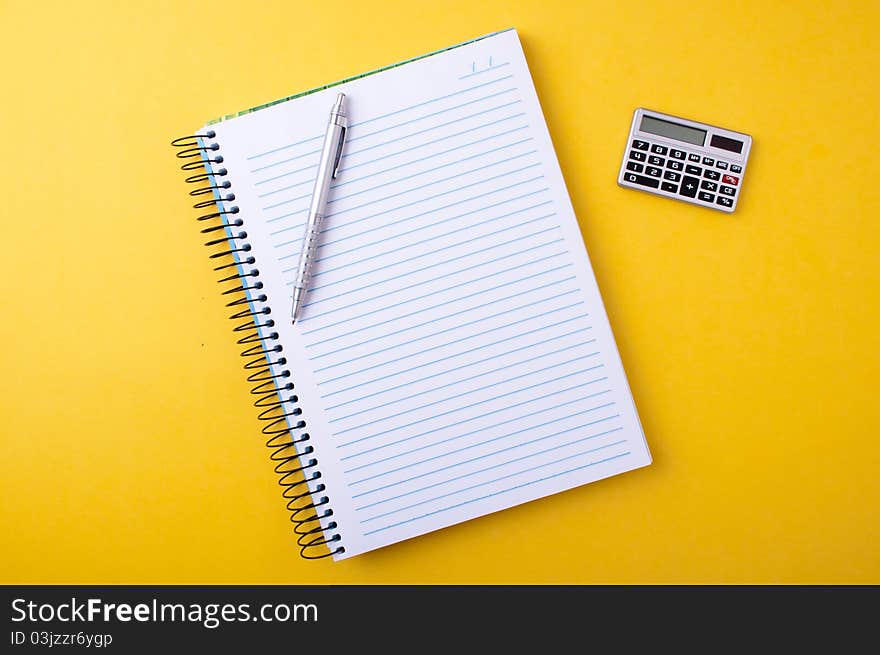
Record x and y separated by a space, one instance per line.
686 160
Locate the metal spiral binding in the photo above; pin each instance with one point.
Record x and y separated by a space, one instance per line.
264 363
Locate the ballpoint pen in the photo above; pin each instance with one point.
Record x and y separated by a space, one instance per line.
328 168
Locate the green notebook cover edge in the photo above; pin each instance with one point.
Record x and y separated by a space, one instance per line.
353 77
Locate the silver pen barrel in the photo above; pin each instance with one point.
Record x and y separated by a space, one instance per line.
331 152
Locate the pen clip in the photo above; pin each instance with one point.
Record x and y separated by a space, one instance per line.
340 145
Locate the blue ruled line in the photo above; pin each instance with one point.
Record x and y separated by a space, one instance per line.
456 313
366 247
462 380
423 225
480 320
441 277
474 459
409 163
476 404
425 309
385 212
350 166
497 493
521 430
399 303
467 379
456 369
490 468
433 100
278 177
435 238
390 182
286 161
439 125
387 265
393 113
443 111
433 127
439 153
483 484
408 218
472 432
433 182
430 266
393 361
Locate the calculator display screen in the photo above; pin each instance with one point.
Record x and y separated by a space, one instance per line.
726 143
672 130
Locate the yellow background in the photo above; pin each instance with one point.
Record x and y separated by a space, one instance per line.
130 450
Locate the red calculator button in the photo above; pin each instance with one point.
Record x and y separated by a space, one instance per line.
730 179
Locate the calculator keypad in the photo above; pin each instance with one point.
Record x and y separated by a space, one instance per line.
706 180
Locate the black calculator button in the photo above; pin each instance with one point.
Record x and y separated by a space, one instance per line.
728 190
657 161
669 186
674 165
693 170
708 161
640 145
712 175
638 156
676 154
725 202
653 171
709 186
659 150
641 179
707 197
689 187
693 157
634 166
735 169
722 165
672 176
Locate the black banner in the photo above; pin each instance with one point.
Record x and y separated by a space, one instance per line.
132 619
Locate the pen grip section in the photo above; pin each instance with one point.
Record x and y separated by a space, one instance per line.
307 255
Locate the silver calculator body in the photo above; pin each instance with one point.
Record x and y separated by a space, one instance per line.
685 160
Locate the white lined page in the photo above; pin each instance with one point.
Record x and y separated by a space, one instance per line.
453 356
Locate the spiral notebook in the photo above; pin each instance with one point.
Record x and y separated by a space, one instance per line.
453 357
